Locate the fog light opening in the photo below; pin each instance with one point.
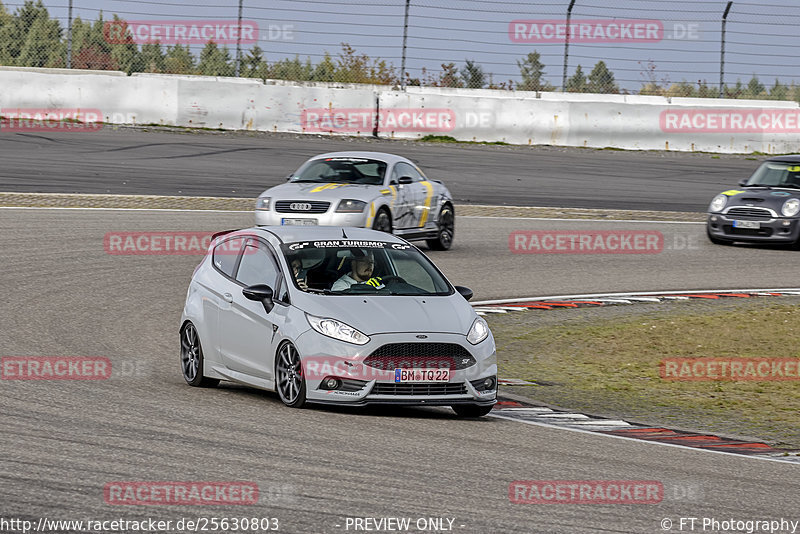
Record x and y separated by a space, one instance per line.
330 383
489 383
787 223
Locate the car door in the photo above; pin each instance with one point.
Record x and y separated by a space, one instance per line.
420 194
246 328
404 215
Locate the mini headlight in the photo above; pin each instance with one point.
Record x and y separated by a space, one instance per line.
790 207
262 203
478 332
350 205
718 203
337 330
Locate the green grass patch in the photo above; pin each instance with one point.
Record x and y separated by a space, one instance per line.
610 365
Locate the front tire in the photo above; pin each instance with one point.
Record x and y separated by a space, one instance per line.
192 361
471 410
446 231
289 380
716 240
383 221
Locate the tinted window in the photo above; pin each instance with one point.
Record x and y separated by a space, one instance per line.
257 266
226 254
342 170
404 169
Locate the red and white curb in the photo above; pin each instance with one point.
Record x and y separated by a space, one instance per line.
612 299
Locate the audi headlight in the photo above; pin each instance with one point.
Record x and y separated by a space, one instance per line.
337 330
349 205
262 203
790 207
718 203
478 332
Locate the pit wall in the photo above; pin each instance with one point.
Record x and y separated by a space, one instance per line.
630 122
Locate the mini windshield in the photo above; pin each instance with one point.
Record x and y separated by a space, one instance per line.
342 170
348 267
776 174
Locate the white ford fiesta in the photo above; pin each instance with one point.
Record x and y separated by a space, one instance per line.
335 315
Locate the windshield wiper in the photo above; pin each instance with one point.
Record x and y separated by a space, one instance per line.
320 291
792 186
759 185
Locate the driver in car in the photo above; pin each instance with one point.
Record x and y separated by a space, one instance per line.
361 266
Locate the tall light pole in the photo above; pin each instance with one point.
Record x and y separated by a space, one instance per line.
405 40
722 50
566 48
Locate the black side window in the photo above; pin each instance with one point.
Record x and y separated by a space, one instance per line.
226 254
404 169
258 266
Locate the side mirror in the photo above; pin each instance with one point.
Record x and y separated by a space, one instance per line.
743 182
464 292
260 293
405 180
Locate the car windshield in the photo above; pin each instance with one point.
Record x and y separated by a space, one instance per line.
349 267
342 170
776 174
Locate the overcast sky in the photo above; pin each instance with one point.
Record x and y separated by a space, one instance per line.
762 37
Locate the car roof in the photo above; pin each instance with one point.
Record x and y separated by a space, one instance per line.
383 156
292 234
789 158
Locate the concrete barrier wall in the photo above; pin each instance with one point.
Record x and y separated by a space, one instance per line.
523 117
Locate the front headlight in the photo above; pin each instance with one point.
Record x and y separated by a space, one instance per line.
350 205
262 203
718 203
478 332
337 330
790 207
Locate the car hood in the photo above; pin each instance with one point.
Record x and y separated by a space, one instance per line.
323 191
390 314
760 197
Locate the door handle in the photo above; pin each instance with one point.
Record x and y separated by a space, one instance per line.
227 297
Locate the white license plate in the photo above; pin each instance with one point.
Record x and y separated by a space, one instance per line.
755 225
422 375
299 222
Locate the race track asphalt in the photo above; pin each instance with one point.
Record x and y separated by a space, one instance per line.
130 161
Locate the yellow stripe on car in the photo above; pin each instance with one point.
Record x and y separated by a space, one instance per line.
731 192
371 214
427 207
324 187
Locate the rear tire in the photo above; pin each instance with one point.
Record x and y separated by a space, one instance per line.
383 221
446 231
192 362
471 410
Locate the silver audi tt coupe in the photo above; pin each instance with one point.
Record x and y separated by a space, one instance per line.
335 315
365 189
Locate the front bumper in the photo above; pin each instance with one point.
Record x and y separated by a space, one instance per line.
329 218
324 357
776 230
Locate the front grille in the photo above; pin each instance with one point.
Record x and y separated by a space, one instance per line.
413 389
317 206
750 213
762 232
421 356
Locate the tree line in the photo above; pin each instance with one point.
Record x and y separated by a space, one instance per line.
30 38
